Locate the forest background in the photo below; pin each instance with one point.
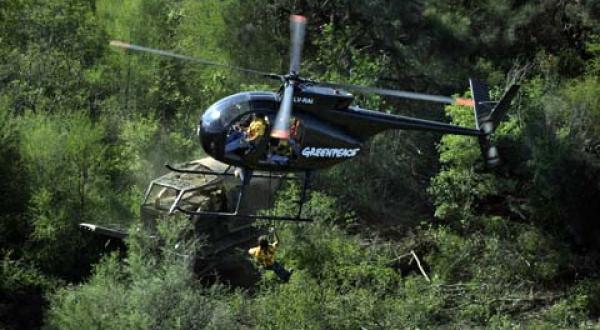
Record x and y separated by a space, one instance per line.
84 128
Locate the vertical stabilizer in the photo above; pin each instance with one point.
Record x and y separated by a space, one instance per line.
488 115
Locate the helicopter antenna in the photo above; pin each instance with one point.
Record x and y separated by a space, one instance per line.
125 45
281 127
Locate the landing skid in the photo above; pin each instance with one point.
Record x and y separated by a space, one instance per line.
246 176
117 233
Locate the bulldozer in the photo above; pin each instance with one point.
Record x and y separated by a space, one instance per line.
225 239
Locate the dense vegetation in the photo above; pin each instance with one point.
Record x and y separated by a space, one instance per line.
84 127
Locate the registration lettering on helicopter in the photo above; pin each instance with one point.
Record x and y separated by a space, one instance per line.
309 152
304 100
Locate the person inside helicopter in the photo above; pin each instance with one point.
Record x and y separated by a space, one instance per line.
295 137
245 136
264 256
281 151
256 129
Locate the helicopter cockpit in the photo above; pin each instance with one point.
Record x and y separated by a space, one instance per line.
237 129
248 139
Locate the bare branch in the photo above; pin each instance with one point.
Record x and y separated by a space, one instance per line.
419 264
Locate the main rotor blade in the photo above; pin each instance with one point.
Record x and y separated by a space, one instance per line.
401 94
121 44
281 127
297 33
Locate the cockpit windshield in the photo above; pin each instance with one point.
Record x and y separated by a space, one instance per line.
228 108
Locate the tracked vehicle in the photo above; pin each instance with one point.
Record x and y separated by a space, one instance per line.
225 239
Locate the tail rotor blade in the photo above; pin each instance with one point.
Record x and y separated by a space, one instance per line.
297 33
500 109
281 127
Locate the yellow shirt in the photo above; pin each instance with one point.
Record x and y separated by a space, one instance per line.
256 129
264 258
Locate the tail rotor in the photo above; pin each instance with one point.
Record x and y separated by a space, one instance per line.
488 115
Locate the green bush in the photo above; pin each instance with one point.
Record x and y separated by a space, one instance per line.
153 288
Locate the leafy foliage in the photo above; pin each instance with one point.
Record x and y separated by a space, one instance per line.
151 290
84 127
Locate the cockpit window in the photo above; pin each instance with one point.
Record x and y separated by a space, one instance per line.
229 108
248 138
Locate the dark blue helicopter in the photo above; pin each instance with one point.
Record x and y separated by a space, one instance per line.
309 125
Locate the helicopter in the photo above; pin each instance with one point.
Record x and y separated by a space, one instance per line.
310 125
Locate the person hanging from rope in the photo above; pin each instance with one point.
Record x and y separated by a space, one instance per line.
264 255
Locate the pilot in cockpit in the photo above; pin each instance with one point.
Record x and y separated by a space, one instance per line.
246 136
